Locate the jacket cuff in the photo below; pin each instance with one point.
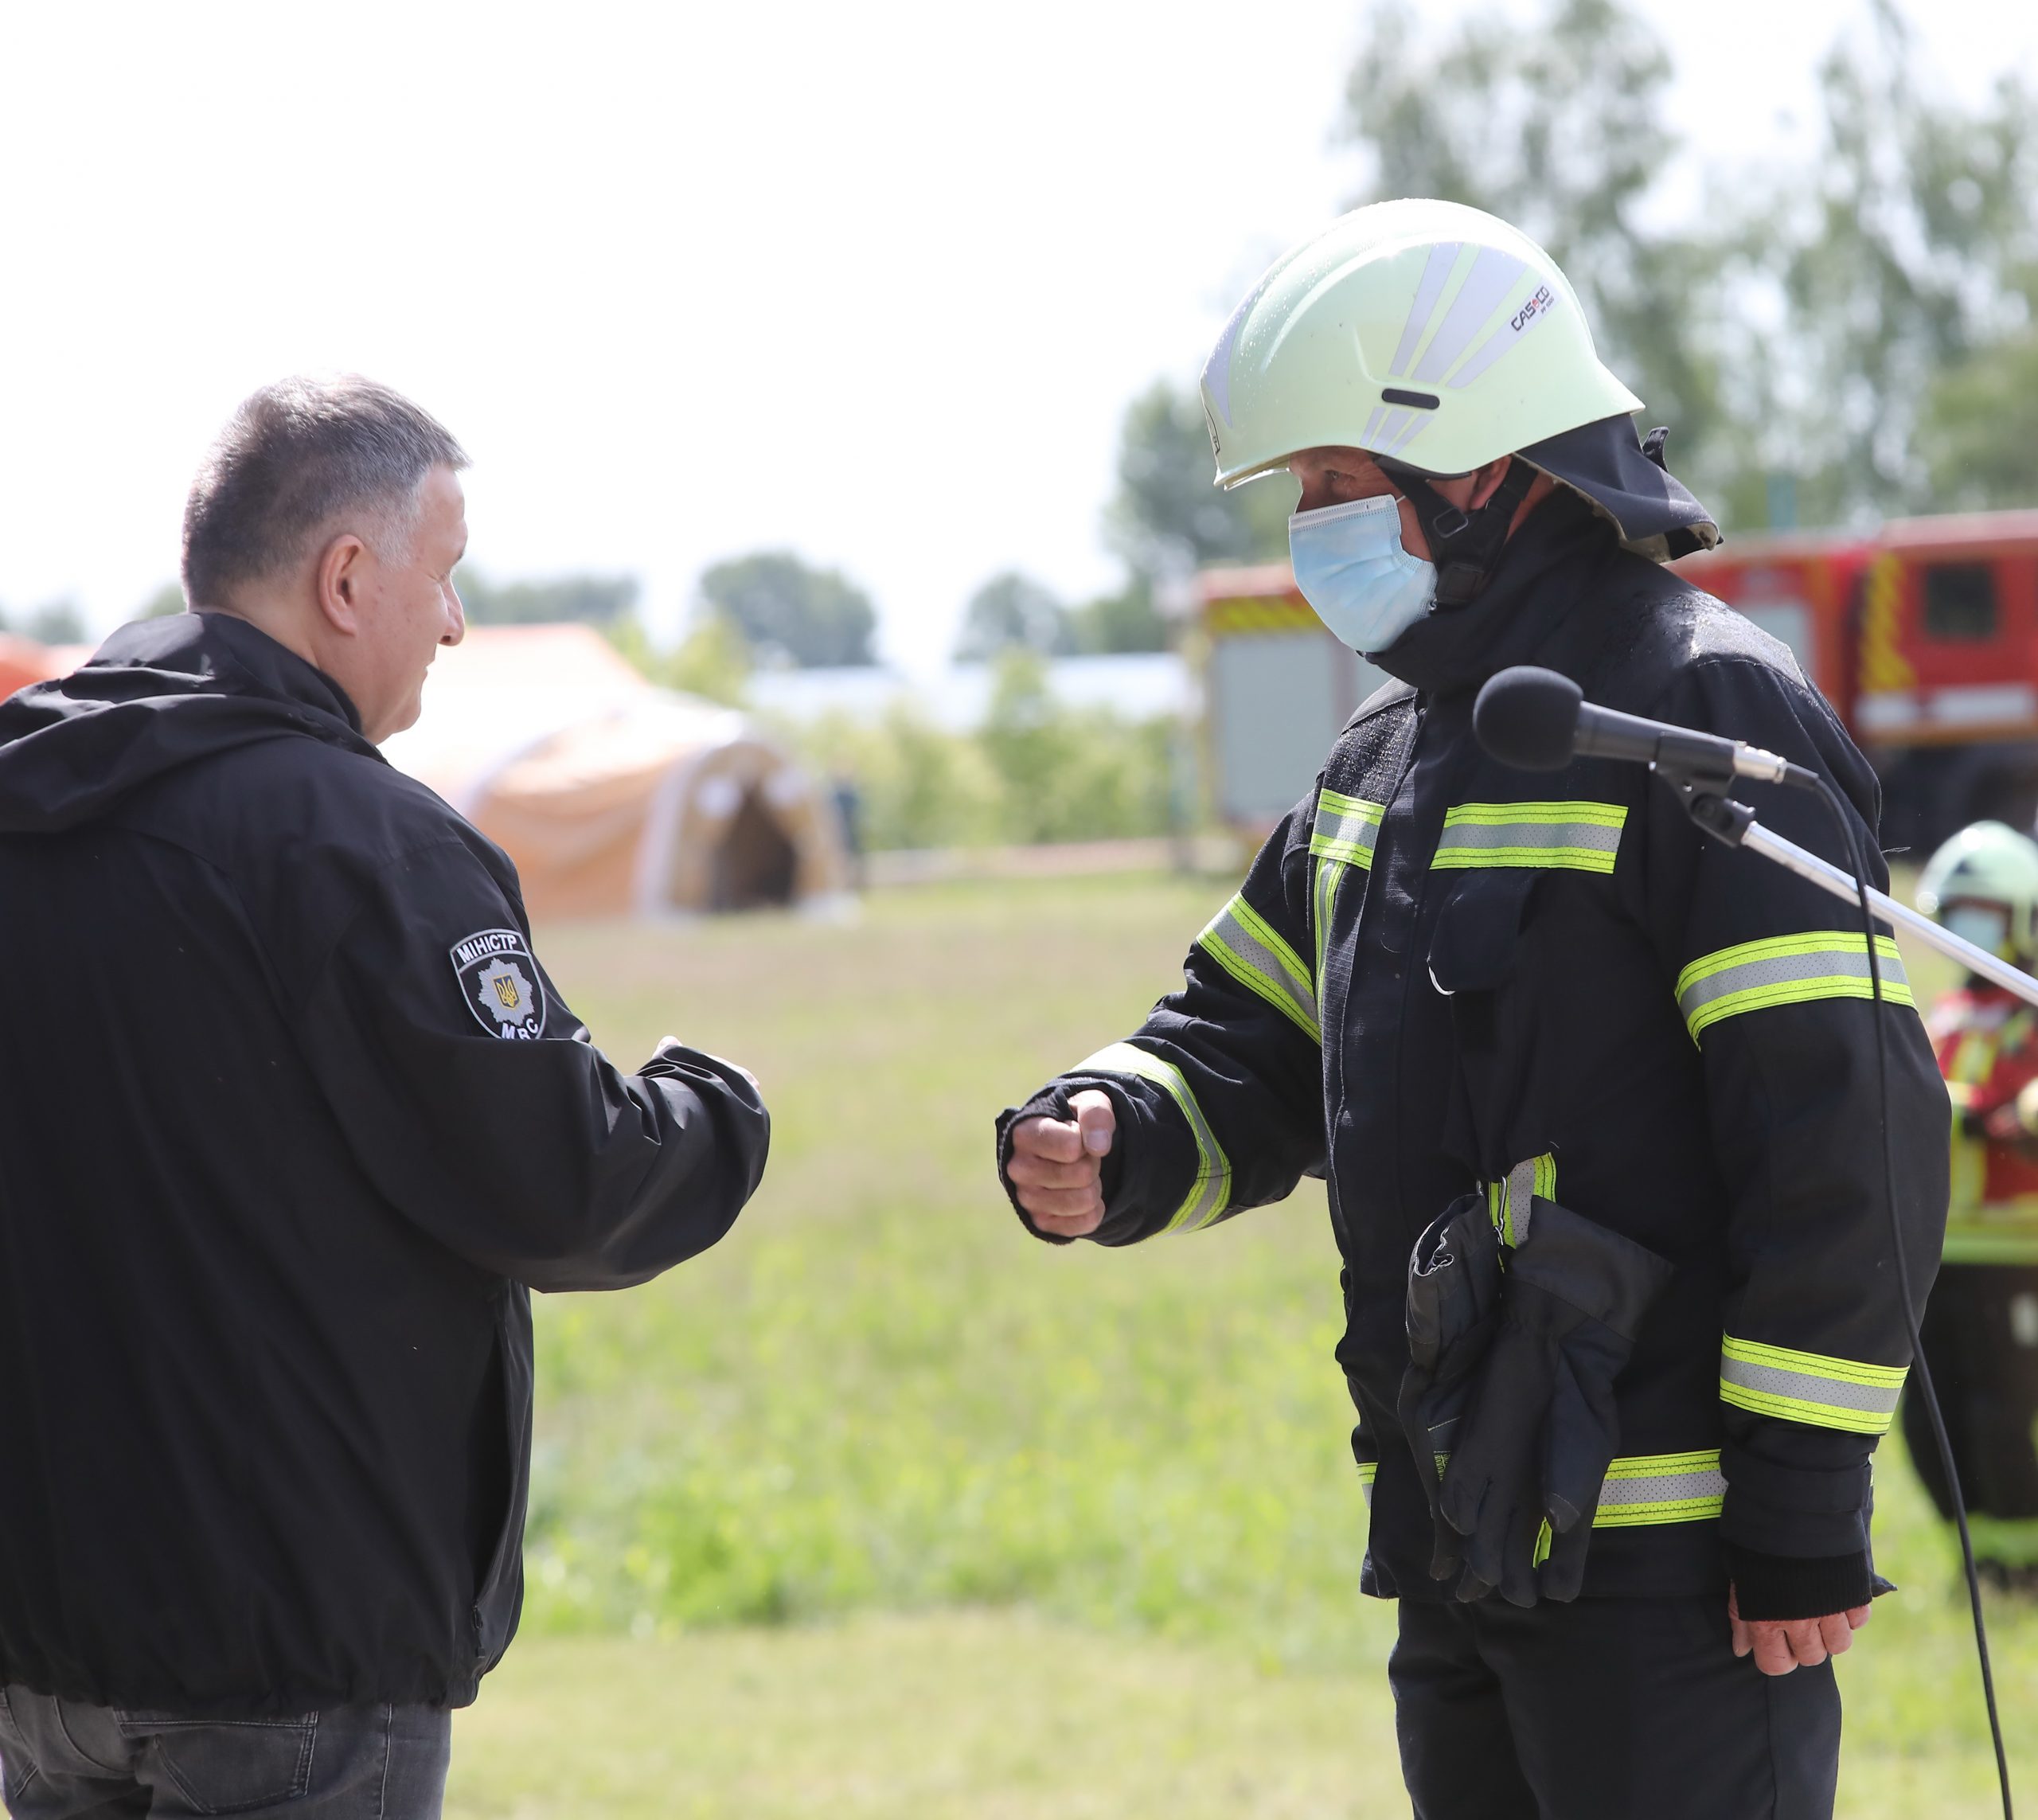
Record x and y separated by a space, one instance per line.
1782 1587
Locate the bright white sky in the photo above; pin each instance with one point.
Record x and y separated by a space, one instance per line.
872 281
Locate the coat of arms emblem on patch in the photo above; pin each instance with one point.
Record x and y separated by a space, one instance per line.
500 982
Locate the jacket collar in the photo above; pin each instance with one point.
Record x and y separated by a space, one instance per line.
232 656
1550 565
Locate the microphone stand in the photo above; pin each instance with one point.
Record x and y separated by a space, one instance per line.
1707 802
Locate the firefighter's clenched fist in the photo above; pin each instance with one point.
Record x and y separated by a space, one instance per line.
1057 1166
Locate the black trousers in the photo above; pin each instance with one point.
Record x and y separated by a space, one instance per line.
1606 1709
1981 1335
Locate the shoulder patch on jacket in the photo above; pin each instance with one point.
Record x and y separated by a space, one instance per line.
501 983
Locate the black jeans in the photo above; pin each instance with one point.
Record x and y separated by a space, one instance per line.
1605 1709
65 1760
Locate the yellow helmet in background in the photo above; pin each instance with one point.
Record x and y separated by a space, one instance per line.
1983 884
1440 338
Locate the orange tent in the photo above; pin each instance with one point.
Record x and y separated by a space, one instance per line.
612 796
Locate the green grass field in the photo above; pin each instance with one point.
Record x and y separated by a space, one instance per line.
882 1507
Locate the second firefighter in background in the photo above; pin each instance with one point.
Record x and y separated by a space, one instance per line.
1981 1327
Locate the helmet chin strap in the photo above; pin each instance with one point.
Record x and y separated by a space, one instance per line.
1464 546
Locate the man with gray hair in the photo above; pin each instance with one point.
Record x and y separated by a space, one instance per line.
294 1121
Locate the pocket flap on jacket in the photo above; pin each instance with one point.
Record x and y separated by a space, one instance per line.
1478 930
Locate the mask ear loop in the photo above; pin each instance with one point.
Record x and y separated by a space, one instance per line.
1464 546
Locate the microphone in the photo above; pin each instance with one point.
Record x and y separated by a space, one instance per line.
1536 720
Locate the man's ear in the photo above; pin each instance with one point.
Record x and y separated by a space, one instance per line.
341 569
1486 480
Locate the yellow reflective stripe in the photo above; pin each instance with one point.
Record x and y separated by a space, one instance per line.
1345 828
1577 837
1808 1387
1330 875
1368 1471
1508 1201
1211 1192
1786 970
1661 1488
1249 948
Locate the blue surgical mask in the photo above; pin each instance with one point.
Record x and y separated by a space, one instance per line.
1351 567
1985 925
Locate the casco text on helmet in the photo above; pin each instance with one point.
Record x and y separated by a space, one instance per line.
1426 331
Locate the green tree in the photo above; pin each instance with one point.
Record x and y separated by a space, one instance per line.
921 785
56 623
1979 436
790 612
712 661
1902 261
1013 609
1036 770
595 600
1126 621
1070 776
166 601
1852 324
1168 516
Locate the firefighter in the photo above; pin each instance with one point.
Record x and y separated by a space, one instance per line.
1596 1098
1981 1327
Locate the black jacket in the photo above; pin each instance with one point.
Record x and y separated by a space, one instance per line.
291 1119
1443 975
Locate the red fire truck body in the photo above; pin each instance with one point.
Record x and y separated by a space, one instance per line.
1924 638
1924 635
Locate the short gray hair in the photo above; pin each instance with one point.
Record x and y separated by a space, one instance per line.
296 456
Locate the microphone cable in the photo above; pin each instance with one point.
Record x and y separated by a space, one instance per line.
1858 864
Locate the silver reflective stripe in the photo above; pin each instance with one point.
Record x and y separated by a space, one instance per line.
1653 1488
1247 947
1811 1387
1577 837
1211 1192
1661 1488
1345 828
1786 970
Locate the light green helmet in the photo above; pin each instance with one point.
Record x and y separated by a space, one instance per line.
1987 867
1439 337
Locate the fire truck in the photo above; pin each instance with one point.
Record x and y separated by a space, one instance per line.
1924 635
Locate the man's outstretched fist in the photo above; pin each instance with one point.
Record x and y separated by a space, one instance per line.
1057 1165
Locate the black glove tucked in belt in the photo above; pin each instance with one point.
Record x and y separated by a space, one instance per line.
1532 1453
1453 1312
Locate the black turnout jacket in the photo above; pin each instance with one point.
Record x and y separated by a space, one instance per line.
1444 976
291 1119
